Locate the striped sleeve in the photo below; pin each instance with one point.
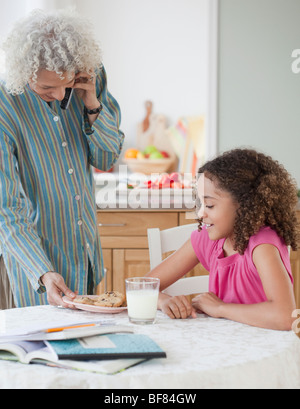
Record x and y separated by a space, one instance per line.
104 137
17 232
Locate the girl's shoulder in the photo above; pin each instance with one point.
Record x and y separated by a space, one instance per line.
266 235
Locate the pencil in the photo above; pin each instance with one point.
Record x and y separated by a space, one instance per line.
49 331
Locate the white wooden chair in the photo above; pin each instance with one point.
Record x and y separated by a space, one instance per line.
164 241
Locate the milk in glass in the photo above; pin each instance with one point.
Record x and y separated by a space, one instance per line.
142 298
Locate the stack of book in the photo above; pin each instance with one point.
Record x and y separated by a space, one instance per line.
98 346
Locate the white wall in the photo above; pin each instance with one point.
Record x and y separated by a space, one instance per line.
259 95
9 12
157 50
13 10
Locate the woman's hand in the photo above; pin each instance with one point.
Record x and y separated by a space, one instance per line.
56 287
85 85
176 307
209 304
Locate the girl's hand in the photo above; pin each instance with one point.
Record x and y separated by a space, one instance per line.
176 307
85 85
209 304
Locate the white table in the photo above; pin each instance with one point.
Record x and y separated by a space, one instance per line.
202 353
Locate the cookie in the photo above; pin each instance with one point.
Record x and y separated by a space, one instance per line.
110 299
84 300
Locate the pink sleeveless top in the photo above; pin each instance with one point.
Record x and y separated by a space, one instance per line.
234 279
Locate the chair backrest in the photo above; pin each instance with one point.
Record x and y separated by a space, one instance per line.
161 242
189 285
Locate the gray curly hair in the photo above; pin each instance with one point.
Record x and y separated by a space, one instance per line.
59 41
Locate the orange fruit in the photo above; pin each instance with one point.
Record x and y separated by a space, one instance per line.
131 153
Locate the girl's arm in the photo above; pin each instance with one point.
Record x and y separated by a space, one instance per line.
170 270
276 313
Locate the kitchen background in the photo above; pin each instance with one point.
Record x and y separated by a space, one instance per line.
229 61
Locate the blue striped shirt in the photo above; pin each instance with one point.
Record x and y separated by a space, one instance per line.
47 193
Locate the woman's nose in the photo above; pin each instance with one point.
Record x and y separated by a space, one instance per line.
59 94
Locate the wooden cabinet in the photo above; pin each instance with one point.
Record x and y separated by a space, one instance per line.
129 263
133 224
125 245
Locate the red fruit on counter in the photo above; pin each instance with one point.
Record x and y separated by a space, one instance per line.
165 154
175 177
165 180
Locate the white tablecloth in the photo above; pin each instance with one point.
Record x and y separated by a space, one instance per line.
201 353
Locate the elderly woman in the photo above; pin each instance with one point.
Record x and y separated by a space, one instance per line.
48 232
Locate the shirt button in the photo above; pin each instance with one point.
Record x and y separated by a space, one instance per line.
87 246
77 197
56 119
79 222
64 144
71 171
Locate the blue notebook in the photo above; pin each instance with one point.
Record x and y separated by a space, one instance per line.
110 346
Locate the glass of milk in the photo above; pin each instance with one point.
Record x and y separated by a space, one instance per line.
142 296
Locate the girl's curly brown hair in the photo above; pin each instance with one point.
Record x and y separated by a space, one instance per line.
265 193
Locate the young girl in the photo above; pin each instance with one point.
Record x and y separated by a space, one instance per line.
247 221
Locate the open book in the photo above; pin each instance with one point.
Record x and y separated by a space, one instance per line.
39 353
61 330
64 334
88 354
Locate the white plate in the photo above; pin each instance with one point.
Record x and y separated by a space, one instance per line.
95 308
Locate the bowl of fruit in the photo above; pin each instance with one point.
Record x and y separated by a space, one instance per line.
147 161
